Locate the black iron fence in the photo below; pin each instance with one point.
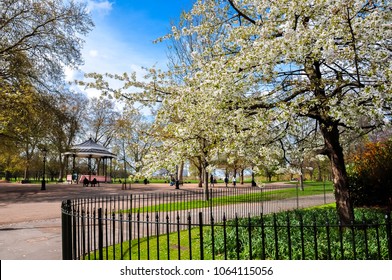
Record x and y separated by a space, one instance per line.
241 223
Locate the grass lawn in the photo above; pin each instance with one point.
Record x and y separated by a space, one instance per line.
319 235
177 246
310 188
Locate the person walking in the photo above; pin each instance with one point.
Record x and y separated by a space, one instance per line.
212 180
234 181
226 181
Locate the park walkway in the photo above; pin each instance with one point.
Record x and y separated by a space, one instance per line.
30 223
30 219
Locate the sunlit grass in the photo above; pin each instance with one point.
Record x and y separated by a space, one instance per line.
185 244
176 245
311 188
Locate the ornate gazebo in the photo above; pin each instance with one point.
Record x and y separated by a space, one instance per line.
92 151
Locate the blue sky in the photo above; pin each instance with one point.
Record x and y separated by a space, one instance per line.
122 39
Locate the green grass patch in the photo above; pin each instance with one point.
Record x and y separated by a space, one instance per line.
267 195
183 245
305 234
301 234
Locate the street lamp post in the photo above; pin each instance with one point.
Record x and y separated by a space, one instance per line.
125 173
43 183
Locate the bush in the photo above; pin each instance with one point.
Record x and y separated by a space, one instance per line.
371 175
302 234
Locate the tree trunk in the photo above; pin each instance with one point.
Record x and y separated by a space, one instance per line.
181 172
319 178
61 167
205 174
301 177
334 152
200 184
200 170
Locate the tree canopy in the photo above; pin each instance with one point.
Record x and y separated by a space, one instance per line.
39 39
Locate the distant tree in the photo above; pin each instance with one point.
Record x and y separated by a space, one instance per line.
10 161
38 39
132 141
66 113
101 120
32 120
30 127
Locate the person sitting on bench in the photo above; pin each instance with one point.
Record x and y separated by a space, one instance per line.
94 182
85 182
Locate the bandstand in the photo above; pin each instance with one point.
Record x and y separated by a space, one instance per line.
90 150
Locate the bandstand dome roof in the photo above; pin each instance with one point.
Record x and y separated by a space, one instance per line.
90 148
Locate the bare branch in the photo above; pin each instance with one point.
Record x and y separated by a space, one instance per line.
242 14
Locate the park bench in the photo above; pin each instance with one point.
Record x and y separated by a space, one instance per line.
95 180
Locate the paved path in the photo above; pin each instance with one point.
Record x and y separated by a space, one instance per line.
30 224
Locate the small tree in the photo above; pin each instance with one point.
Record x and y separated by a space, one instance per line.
371 175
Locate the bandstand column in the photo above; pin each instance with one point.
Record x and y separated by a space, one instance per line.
111 168
105 173
66 165
89 167
73 163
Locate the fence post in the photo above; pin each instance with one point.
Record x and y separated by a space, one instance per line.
201 235
178 237
276 237
100 234
389 237
237 238
224 235
114 234
189 236
250 236
157 225
262 236
66 221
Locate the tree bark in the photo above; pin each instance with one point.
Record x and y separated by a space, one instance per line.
61 168
200 170
180 174
301 176
205 175
319 176
334 152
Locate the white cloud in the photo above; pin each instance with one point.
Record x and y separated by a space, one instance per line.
106 52
114 48
99 6
93 53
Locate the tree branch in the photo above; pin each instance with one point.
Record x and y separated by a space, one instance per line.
241 13
354 45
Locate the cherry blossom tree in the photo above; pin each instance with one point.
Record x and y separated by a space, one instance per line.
280 61
272 66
